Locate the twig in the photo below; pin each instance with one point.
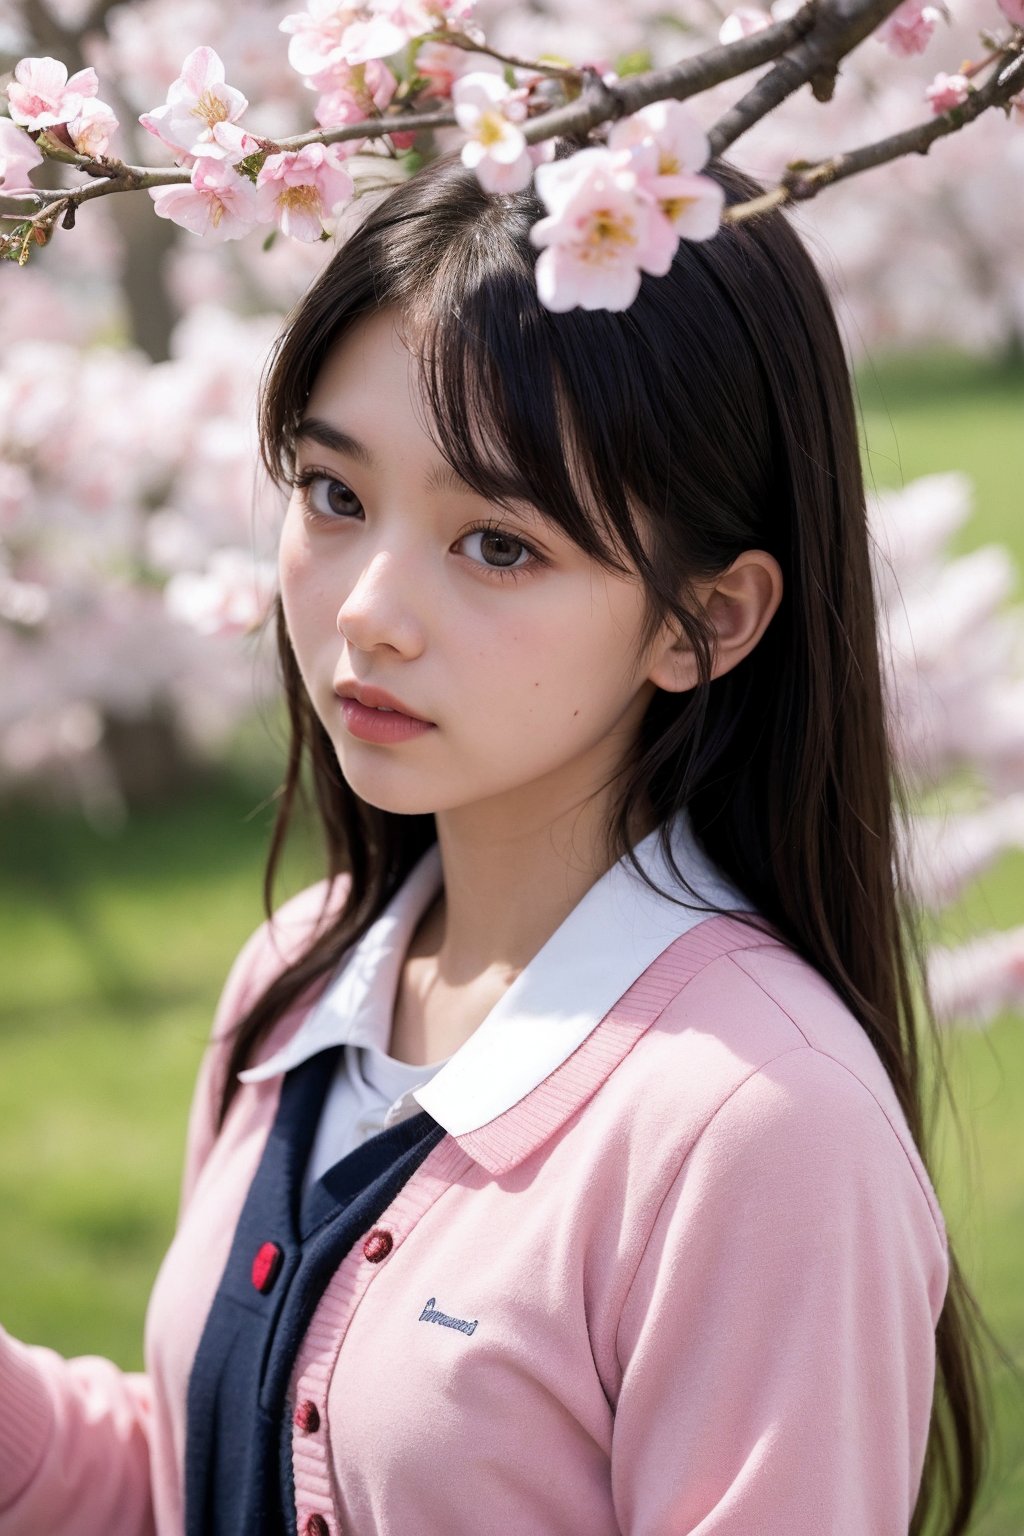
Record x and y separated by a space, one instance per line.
532 66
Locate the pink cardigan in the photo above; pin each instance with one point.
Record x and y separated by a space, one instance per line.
697 1272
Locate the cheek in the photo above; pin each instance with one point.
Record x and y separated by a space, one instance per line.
293 555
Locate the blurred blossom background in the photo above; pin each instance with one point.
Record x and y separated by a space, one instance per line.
140 739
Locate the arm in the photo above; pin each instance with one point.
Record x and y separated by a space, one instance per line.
777 1342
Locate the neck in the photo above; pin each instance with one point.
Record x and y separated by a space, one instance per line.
509 886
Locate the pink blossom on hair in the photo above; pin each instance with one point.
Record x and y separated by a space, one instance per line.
947 91
41 95
18 156
94 127
301 189
489 111
355 92
600 234
909 29
217 202
198 110
667 147
1013 10
744 21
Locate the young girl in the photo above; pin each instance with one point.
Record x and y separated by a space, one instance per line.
554 1168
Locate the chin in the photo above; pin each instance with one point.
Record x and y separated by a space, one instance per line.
385 794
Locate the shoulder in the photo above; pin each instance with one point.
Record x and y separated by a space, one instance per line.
759 1062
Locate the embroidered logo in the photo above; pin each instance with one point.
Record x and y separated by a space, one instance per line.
430 1314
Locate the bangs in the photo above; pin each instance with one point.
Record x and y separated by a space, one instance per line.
499 377
518 399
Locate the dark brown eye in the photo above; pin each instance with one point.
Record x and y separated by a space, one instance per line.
497 549
331 498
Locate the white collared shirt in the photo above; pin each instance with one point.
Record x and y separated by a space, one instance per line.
610 937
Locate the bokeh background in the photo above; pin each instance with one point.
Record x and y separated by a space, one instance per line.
140 740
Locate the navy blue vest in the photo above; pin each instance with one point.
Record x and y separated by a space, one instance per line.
238 1476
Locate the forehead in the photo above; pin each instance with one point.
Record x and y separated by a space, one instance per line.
369 368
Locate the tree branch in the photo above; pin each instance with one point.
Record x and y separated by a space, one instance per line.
806 47
841 26
802 182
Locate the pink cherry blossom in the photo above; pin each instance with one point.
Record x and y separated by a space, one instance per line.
301 189
947 91
667 146
199 104
489 111
979 979
600 234
41 95
1013 10
18 156
94 127
316 36
231 597
357 91
218 202
442 64
909 29
330 33
744 21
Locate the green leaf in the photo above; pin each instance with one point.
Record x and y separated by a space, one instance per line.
633 63
252 164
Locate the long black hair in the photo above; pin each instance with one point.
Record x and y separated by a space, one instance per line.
719 405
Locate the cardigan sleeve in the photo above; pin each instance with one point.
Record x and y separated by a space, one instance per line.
74 1434
777 1343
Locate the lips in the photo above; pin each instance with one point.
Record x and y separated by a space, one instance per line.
377 698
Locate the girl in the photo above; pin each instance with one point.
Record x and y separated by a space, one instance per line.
554 1168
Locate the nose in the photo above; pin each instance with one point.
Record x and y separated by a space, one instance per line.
380 610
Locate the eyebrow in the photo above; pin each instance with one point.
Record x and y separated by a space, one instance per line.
313 428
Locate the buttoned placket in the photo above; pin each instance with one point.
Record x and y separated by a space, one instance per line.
324 1339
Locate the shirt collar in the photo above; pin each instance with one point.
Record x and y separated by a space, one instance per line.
607 941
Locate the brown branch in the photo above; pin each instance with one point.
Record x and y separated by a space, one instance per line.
838 30
601 102
808 46
802 182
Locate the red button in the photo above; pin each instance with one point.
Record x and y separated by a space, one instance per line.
316 1525
265 1267
378 1245
307 1418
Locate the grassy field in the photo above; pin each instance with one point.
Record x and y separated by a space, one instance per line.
115 946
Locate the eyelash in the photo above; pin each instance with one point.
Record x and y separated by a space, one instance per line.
305 479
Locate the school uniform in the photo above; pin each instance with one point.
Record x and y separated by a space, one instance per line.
652 1253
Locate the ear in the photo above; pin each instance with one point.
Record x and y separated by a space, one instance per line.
740 603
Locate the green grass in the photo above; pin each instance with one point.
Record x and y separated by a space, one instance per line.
116 945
